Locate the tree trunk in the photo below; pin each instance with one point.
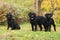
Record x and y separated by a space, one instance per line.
52 5
37 5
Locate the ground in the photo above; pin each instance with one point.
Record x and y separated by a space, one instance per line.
26 34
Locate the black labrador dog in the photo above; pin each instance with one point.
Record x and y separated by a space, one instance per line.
14 25
11 22
37 20
50 21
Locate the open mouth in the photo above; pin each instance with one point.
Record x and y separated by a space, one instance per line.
32 18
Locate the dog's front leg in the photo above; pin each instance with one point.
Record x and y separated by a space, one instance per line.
32 27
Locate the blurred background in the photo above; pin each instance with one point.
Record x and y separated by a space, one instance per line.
21 8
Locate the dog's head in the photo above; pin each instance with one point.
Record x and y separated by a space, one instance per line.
48 15
9 16
32 15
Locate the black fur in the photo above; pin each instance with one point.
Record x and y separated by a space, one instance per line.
37 20
11 22
50 21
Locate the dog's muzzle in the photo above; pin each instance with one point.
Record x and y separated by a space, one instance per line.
32 18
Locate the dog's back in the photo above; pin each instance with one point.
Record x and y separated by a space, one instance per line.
15 24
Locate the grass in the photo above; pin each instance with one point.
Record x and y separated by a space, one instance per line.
26 34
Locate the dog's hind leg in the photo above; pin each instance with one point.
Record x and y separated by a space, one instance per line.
49 28
54 26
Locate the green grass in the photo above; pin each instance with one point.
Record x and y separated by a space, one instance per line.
26 34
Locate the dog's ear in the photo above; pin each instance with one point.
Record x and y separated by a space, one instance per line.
29 14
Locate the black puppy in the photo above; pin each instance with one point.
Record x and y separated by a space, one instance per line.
50 21
9 18
37 20
14 25
11 22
